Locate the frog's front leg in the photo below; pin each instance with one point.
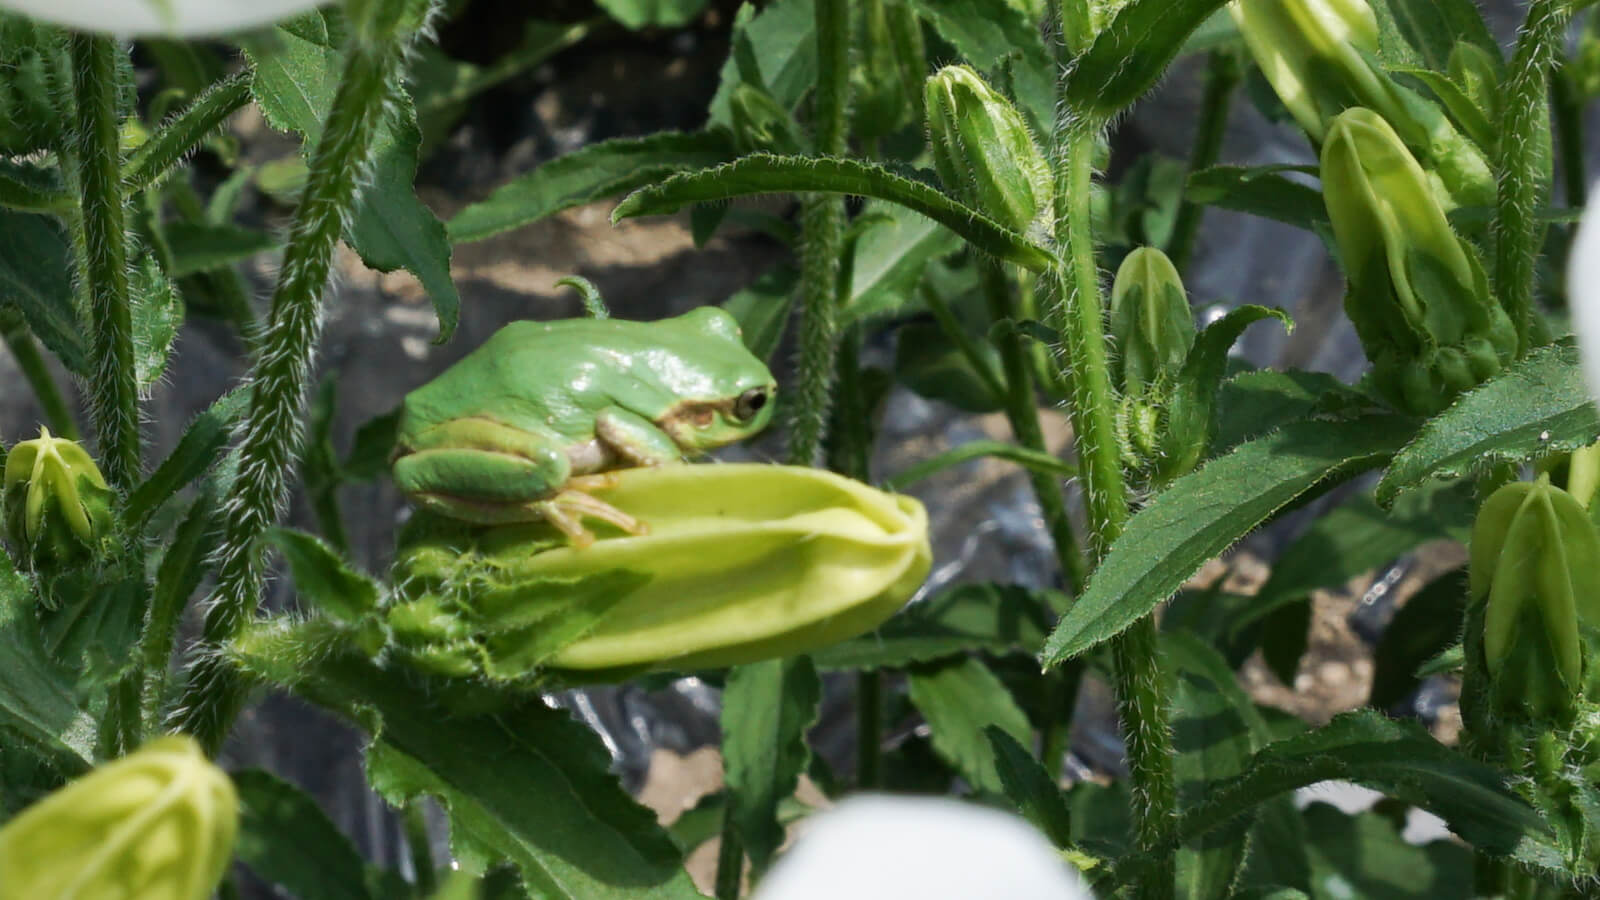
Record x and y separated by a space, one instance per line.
482 471
633 440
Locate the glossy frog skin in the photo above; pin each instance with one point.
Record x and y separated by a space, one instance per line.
520 428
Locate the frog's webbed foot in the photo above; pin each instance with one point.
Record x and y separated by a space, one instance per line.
567 510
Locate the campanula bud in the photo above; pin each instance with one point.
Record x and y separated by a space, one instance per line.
57 504
985 153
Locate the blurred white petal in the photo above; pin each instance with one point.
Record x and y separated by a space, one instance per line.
175 18
1583 292
876 847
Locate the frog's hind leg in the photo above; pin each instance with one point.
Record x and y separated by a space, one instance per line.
567 510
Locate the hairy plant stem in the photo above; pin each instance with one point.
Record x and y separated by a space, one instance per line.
1519 166
1141 687
1022 409
822 219
730 859
1222 76
272 428
182 133
113 391
14 331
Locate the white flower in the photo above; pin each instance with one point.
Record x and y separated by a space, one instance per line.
172 18
875 847
1583 293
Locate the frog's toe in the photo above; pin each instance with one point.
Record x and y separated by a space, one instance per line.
571 506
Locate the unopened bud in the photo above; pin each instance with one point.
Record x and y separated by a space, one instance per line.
1535 567
157 824
984 151
1417 293
1320 57
57 504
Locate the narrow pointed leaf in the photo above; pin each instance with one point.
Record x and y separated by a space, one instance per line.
1132 52
1539 405
1205 512
595 172
765 173
202 441
960 698
323 578
1030 787
767 708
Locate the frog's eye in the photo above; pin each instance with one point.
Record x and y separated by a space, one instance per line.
749 403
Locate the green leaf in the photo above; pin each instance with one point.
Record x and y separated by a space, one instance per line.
1205 512
94 622
1356 537
200 247
637 14
526 784
1428 624
1252 404
157 313
287 840
984 32
995 618
294 83
890 259
762 309
1397 758
1033 460
1472 121
33 188
766 173
775 49
1539 405
929 363
1193 409
1030 787
1215 729
1261 191
1130 54
1365 856
37 706
36 277
370 449
767 707
959 699
1433 27
183 566
323 578
582 176
196 451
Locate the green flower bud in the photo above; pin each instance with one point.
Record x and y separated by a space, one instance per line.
58 507
1417 293
984 151
1152 329
1152 326
741 562
1320 57
1535 567
157 824
760 124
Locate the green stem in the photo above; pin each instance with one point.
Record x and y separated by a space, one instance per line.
113 395
822 222
1567 105
178 136
869 729
1023 411
272 428
14 331
1222 75
1141 688
1519 163
730 859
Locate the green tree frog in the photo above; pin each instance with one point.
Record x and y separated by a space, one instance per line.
522 428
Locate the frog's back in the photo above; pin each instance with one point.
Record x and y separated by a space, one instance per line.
556 375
